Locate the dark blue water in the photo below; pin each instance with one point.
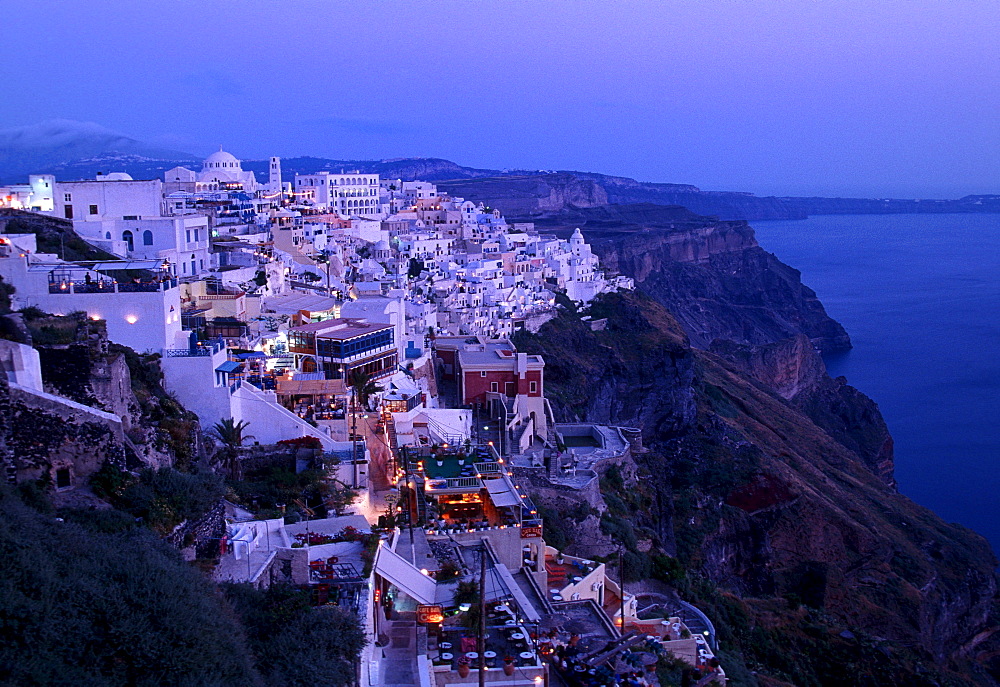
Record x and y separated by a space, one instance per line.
920 297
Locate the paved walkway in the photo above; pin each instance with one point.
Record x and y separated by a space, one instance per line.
398 666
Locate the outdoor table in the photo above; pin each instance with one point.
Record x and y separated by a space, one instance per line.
510 622
472 654
517 635
444 645
527 655
557 597
577 578
490 654
446 656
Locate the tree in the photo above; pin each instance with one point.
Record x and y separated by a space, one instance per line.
415 268
231 434
363 387
85 608
295 644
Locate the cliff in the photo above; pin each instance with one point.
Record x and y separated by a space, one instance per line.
815 570
526 196
794 370
712 275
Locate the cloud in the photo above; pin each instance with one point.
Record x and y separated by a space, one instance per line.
370 127
214 83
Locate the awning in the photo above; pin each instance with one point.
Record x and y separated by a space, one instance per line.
256 355
500 493
400 572
228 366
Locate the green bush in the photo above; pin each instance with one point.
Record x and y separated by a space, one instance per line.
80 608
163 498
294 644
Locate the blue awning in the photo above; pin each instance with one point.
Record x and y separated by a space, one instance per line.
228 366
256 355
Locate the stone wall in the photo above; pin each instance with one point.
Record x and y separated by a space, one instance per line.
45 433
203 534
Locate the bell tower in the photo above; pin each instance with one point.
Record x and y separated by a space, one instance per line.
274 180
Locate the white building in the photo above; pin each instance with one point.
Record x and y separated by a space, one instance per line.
346 194
145 316
35 195
223 171
110 196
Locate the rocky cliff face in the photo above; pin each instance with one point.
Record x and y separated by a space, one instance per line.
817 570
712 276
794 370
528 196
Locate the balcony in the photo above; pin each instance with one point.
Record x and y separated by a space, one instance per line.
69 286
203 349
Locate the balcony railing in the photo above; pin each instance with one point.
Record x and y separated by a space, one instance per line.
203 349
110 286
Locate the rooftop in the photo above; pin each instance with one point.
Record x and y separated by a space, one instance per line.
340 328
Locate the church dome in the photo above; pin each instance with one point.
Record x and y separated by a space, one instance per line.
222 160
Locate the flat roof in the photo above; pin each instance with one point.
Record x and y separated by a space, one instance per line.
497 357
340 328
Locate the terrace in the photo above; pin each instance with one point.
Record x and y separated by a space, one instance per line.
507 642
466 488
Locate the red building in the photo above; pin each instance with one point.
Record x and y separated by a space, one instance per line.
498 369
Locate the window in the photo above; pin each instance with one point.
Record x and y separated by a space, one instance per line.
495 386
483 373
93 209
533 387
68 197
147 238
133 216
188 235
63 479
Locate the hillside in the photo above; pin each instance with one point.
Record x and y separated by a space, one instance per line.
816 571
68 148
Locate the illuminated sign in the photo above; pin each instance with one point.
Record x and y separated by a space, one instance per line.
531 531
429 614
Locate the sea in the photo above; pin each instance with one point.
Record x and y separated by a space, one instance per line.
920 297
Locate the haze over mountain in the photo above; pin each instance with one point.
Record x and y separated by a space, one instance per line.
53 144
79 150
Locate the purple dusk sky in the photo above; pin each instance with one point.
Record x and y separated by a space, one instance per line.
780 97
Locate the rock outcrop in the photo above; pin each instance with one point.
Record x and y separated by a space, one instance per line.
816 568
520 196
713 276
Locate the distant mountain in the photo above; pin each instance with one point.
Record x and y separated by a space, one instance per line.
78 150
72 150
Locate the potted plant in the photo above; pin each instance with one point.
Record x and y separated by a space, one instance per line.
463 667
508 665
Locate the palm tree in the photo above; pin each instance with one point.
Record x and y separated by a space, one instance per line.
230 433
363 387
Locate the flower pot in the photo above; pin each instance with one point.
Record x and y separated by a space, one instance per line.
463 670
508 668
